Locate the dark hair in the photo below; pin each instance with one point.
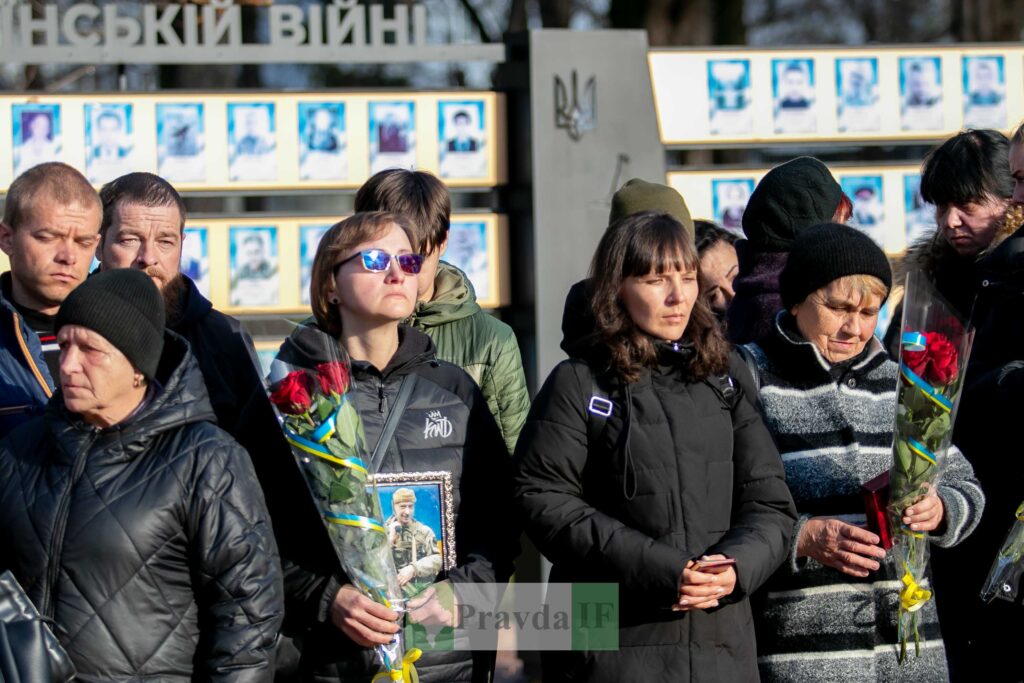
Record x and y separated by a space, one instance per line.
635 245
709 234
339 239
969 167
253 238
55 182
138 189
416 194
461 114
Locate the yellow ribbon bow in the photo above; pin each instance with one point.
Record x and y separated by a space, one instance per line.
913 597
407 674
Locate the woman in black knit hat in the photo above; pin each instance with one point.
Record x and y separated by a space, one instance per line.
131 520
789 199
828 395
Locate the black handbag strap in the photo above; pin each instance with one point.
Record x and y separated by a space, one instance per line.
391 423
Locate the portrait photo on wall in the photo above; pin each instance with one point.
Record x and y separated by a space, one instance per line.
252 141
467 251
921 93
729 96
323 149
195 258
36 135
919 215
984 92
309 240
392 135
109 143
181 142
793 96
254 266
462 143
857 94
419 520
865 191
728 200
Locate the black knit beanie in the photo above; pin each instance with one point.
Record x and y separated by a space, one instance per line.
124 307
827 252
790 198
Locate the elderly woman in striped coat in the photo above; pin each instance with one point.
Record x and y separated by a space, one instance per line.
828 395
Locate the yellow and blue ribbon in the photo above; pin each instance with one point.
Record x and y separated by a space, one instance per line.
914 341
927 389
920 450
913 596
329 426
354 520
406 674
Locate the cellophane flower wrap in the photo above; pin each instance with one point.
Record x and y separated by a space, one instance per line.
310 387
1004 579
935 345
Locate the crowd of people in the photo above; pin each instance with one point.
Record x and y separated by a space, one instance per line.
703 447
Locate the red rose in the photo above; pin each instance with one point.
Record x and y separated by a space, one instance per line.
916 361
333 376
937 364
292 393
942 359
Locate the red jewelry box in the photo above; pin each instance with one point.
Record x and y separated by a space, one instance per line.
876 507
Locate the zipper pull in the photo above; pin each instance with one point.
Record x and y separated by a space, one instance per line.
382 398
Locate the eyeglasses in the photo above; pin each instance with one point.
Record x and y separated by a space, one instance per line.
378 260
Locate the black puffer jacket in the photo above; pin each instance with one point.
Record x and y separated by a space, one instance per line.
475 454
675 472
990 406
225 354
148 543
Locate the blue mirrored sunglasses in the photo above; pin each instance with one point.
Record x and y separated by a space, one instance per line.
378 260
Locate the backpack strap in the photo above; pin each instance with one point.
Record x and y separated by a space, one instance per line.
600 407
391 423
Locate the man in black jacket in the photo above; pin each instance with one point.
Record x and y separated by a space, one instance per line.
144 228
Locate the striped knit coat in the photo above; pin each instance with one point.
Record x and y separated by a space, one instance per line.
833 427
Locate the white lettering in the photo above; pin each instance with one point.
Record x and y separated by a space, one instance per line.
315 26
286 25
160 25
119 31
191 25
345 4
221 4
69 24
397 25
6 23
354 25
49 25
228 22
419 24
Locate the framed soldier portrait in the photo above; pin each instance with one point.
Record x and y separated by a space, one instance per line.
37 135
419 520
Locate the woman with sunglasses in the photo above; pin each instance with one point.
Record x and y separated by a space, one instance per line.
363 286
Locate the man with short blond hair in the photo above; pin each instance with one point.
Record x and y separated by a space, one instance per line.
49 232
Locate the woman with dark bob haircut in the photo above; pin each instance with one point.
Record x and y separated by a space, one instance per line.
641 464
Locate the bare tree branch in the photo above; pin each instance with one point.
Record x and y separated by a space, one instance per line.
475 18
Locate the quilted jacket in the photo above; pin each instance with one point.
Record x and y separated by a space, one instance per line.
25 383
147 543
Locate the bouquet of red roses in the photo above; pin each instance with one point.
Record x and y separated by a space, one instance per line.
311 390
933 361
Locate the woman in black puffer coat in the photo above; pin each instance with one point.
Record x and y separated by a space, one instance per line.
681 468
361 292
131 520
